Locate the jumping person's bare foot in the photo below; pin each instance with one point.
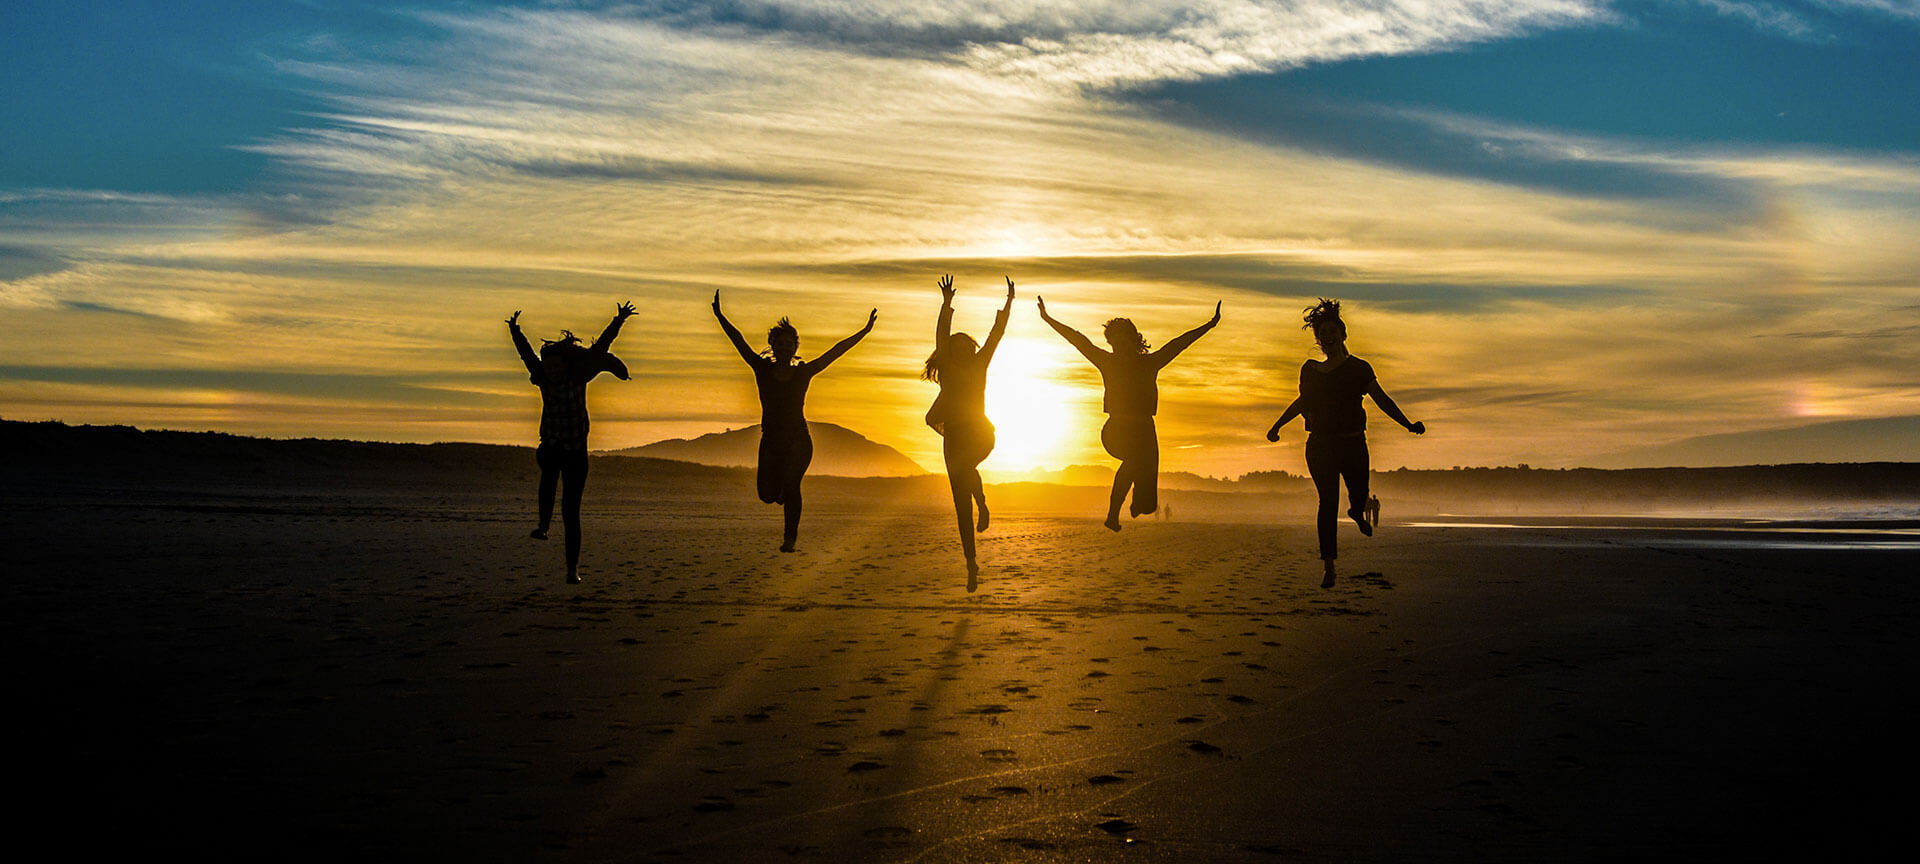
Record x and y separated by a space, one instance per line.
973 576
573 578
980 524
786 547
1328 581
1113 522
1360 519
539 533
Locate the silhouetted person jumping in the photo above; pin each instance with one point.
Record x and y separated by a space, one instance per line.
959 413
1330 392
561 370
786 448
1131 375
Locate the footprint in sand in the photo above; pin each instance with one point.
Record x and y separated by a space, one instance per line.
1105 779
999 755
888 836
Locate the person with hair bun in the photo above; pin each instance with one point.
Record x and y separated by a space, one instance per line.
786 448
1330 392
1130 374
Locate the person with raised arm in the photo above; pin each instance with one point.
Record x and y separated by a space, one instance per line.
1130 374
561 370
786 448
959 413
1330 392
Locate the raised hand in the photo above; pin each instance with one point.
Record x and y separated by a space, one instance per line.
1043 304
1273 434
946 287
872 316
1216 314
716 304
515 320
1009 288
625 310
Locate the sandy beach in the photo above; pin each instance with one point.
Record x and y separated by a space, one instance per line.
400 674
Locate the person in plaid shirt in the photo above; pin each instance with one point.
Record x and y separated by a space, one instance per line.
561 370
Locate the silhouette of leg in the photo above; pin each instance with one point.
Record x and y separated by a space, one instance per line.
1353 469
573 486
770 470
1113 438
982 447
1324 468
549 476
961 486
980 501
799 456
1146 468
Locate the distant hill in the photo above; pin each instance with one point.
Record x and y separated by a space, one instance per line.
127 463
837 451
1102 475
1884 439
53 453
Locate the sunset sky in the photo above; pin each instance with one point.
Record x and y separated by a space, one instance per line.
1561 228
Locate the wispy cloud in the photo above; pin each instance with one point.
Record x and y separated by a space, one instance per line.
1526 287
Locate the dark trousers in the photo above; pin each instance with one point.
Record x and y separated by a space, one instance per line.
1330 458
568 469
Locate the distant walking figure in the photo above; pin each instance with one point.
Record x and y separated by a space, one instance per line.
959 413
1330 392
561 370
1131 375
786 448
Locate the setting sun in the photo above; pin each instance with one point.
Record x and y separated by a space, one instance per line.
1032 411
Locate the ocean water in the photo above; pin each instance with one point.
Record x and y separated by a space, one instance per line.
1879 532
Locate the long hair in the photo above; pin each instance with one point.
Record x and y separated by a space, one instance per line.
1325 313
938 357
1121 333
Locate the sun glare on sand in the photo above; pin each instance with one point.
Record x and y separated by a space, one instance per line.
1031 409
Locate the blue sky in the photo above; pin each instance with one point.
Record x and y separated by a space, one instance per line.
1730 190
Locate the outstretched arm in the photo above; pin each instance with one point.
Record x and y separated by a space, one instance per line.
1074 337
1386 404
1293 410
733 333
520 344
841 347
620 316
1183 341
945 324
999 326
